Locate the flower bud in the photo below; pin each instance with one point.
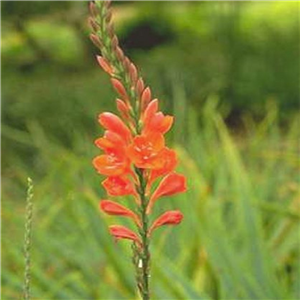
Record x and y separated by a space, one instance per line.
170 185
171 217
104 64
96 40
119 87
121 232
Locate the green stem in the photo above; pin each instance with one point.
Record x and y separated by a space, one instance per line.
141 252
27 239
144 255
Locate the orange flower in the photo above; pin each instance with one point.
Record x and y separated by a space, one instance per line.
171 184
116 209
158 123
121 232
113 123
110 141
169 162
119 186
145 149
171 217
112 164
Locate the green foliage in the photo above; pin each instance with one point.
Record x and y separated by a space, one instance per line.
25 10
245 52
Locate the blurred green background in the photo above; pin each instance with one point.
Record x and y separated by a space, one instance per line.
229 72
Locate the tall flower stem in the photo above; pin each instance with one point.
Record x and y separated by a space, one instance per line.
134 147
104 38
144 256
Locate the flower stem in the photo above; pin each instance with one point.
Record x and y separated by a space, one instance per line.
27 239
143 267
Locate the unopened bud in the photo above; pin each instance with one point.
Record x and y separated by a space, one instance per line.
122 108
119 87
93 9
133 73
93 24
110 30
119 54
114 42
145 99
108 15
96 41
126 63
104 64
140 86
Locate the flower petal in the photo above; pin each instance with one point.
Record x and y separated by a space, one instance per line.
171 184
145 149
121 232
168 159
116 209
118 186
111 164
171 217
113 123
158 123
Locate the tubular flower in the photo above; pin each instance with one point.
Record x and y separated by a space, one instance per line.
110 141
158 123
170 185
145 151
121 232
115 124
169 162
112 164
134 152
171 217
119 186
113 208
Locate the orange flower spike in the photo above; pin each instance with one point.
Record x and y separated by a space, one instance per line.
104 65
115 124
170 185
116 209
119 186
145 149
121 232
171 217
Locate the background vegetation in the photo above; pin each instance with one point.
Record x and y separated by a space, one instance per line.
229 72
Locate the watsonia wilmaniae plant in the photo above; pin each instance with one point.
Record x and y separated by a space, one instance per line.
135 154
